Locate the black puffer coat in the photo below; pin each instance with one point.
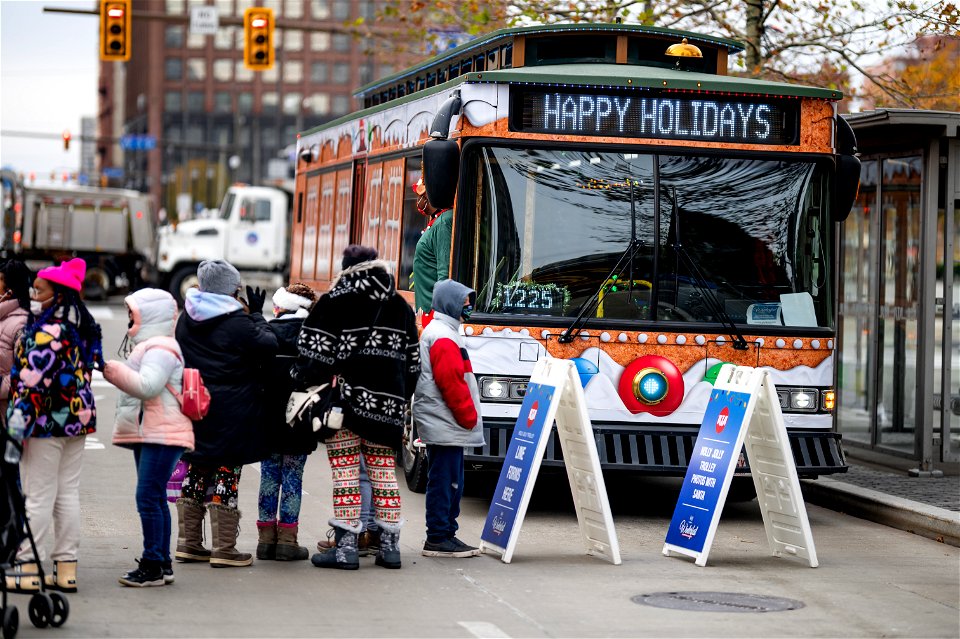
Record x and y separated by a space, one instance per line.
231 349
282 438
365 333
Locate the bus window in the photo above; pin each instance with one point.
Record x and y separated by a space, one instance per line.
413 225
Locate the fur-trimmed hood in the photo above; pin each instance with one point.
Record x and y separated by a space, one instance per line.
373 279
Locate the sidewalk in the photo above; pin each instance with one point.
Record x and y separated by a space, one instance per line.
927 506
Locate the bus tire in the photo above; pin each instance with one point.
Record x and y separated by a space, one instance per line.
183 279
413 459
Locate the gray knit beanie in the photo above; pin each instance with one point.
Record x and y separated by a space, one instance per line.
218 276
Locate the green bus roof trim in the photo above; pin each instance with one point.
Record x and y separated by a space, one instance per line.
732 46
604 75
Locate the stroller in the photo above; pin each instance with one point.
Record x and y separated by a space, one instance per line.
45 608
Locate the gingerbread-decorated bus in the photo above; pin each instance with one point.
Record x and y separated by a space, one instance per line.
619 200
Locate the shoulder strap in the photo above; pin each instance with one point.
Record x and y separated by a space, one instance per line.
179 357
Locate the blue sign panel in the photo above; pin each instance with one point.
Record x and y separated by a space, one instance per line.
518 463
709 465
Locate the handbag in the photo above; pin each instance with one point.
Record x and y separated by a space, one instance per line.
315 410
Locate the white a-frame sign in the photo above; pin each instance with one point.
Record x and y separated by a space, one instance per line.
743 412
554 393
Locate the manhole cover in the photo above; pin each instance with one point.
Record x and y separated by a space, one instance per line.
717 601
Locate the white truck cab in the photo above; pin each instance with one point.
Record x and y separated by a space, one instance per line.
251 231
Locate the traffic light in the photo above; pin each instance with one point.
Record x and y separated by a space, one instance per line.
115 30
66 140
258 38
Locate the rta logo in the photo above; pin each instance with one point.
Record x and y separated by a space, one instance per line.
532 415
722 419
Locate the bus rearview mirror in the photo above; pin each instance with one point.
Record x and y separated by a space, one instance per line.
848 185
441 170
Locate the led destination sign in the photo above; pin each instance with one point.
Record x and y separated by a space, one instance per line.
659 116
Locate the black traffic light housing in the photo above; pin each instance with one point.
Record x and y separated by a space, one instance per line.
115 33
258 51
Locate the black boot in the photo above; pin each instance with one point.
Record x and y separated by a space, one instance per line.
388 555
344 555
148 573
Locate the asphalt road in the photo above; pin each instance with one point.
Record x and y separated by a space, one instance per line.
872 581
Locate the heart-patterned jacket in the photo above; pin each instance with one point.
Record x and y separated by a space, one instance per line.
51 382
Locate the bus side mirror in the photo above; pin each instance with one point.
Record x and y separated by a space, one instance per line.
848 171
441 171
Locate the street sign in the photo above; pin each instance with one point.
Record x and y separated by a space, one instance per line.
113 172
554 393
743 412
204 20
138 142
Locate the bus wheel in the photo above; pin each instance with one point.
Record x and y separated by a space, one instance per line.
184 278
413 458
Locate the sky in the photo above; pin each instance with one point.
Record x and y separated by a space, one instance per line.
48 81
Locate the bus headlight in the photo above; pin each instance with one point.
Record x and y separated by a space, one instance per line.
805 400
494 388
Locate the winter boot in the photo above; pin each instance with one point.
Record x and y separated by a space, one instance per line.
149 573
389 554
224 527
190 538
267 546
287 547
344 556
25 579
64 577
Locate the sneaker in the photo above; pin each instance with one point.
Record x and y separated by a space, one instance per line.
447 548
148 573
167 567
474 551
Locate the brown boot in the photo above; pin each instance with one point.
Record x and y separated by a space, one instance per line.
287 547
64 577
267 545
190 537
225 526
24 578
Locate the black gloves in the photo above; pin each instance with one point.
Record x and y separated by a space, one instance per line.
255 299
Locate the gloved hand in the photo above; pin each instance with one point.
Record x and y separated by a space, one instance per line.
255 299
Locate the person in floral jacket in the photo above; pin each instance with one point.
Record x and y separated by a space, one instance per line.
53 366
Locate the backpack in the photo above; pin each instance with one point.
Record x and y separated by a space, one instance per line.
195 399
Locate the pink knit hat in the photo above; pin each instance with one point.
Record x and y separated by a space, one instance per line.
69 273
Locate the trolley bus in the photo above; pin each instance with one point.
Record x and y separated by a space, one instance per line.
620 201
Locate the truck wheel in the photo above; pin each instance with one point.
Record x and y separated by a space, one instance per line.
413 458
184 278
96 284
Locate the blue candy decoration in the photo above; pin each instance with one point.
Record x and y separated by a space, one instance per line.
586 369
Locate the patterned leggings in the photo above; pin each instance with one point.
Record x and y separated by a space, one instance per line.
212 484
343 451
281 478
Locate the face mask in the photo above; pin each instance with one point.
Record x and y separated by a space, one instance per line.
467 311
36 307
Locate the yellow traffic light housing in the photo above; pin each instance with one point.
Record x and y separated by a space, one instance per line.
258 52
115 32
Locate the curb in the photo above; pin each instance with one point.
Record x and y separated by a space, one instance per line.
935 523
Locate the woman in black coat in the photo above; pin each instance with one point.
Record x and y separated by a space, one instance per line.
363 333
229 342
281 474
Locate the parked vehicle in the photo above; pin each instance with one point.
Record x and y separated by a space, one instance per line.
251 232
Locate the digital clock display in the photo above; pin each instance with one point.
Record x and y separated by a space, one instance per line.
651 115
525 299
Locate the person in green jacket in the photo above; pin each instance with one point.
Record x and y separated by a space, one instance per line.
431 260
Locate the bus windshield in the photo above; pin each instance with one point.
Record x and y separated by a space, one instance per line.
649 236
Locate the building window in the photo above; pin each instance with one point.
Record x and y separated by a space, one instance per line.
173 37
341 105
268 102
270 75
319 103
222 102
223 39
319 9
196 41
173 69
293 41
224 7
319 41
243 74
244 102
366 73
341 73
318 72
341 42
171 101
341 9
243 5
175 6
195 101
222 70
293 9
367 10
292 103
293 71
196 69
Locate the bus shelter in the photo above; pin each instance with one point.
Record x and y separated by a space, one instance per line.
899 285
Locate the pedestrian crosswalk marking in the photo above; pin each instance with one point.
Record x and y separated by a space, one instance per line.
101 312
483 629
92 443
